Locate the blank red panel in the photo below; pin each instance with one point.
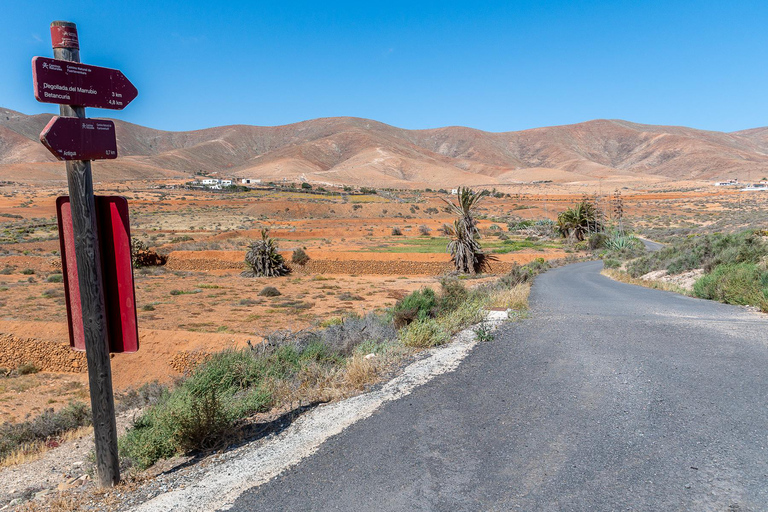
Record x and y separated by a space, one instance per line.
117 273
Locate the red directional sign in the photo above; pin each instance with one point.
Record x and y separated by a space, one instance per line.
73 138
72 83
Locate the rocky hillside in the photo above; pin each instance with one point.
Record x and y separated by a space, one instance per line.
364 152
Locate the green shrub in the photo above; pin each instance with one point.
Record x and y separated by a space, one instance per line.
737 283
28 271
705 252
419 305
206 406
306 186
611 263
424 333
453 294
470 312
55 278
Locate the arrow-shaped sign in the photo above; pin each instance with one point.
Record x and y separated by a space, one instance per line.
72 83
73 138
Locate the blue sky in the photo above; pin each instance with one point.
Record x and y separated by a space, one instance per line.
496 66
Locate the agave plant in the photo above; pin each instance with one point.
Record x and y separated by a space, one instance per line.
578 222
263 259
619 242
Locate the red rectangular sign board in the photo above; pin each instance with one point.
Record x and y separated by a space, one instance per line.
73 138
72 83
116 270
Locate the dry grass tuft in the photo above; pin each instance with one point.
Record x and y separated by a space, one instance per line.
32 451
361 372
515 298
61 503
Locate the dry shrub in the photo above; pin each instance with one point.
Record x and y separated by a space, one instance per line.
515 298
269 291
67 502
29 452
361 372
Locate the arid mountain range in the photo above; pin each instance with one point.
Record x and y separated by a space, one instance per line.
355 151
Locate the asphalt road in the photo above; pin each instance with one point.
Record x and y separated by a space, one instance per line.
610 397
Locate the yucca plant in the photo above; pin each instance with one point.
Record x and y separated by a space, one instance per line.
464 208
468 257
263 259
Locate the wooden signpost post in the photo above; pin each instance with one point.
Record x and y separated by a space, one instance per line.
77 140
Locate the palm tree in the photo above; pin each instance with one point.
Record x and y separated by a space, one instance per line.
577 222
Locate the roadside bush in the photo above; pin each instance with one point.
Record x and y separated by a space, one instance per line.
611 263
518 275
453 294
419 305
55 278
230 385
344 338
147 394
705 252
48 425
424 230
739 283
299 257
424 333
396 231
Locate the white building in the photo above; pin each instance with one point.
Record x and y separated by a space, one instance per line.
226 183
210 181
249 181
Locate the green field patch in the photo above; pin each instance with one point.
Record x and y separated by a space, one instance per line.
437 245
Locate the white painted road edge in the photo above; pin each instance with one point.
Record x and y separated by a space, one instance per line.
222 483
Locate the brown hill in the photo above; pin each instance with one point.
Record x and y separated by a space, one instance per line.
363 152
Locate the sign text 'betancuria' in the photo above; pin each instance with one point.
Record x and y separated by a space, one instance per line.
63 82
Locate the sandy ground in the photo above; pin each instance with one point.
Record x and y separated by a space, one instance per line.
200 310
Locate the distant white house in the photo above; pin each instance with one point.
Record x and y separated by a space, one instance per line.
249 181
226 183
210 181
455 191
726 183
